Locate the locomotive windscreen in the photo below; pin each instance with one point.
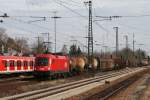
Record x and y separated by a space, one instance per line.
41 61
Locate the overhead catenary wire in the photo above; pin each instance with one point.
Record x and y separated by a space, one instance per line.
73 11
73 1
124 16
66 2
131 27
36 26
104 27
136 16
61 3
22 29
19 20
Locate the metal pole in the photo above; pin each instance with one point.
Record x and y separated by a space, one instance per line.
133 43
126 41
48 42
55 28
90 35
86 38
38 46
48 47
127 50
117 42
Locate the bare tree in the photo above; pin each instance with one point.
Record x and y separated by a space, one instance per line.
38 47
3 39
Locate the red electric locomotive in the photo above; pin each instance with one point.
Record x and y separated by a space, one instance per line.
49 64
14 64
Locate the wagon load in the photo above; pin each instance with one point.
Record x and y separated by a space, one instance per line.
77 63
72 62
94 63
85 60
106 64
80 63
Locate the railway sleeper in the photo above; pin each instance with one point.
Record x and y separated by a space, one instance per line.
113 89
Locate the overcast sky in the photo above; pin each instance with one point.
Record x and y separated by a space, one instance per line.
73 26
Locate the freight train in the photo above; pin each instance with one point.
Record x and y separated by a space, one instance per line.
52 64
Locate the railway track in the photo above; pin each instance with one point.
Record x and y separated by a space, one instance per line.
64 87
14 79
113 90
117 88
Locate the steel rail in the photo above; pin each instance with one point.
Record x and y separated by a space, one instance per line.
119 87
116 90
64 87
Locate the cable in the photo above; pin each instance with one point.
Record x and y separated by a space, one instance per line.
120 16
86 7
30 24
61 3
69 3
22 29
46 17
74 1
107 31
131 27
31 16
137 16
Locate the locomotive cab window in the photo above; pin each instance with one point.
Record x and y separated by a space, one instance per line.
42 61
